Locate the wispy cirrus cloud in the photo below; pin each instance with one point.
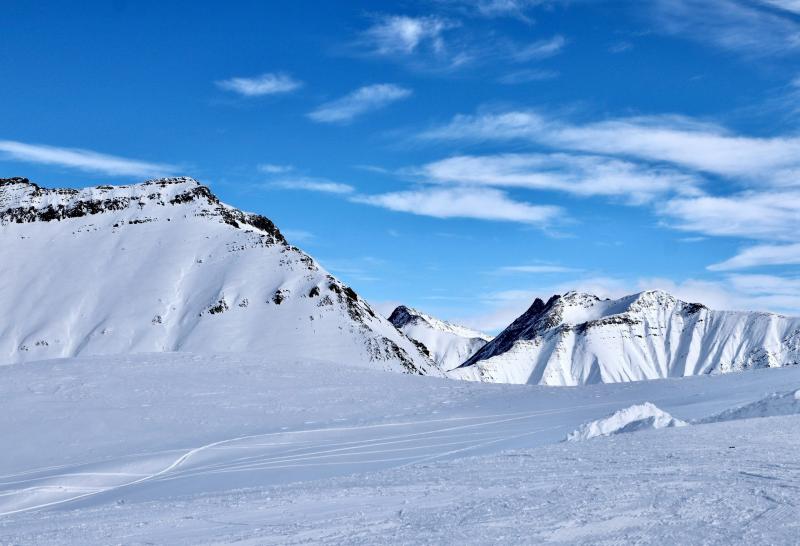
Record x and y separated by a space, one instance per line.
359 102
584 175
792 6
405 35
673 139
767 214
305 183
760 256
464 202
537 269
271 83
743 26
540 49
83 160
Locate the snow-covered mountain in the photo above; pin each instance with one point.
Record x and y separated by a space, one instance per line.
449 344
165 266
579 338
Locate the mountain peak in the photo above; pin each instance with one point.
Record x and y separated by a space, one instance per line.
22 201
164 265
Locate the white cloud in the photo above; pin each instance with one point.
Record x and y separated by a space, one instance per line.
403 35
577 174
761 255
465 202
362 100
753 215
673 139
312 184
272 168
84 160
787 5
537 269
272 83
538 50
735 25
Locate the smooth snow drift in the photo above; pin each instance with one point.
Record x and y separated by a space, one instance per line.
164 266
778 403
637 417
449 344
578 339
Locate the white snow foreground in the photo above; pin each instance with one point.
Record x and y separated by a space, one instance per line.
191 449
631 419
165 266
449 344
579 339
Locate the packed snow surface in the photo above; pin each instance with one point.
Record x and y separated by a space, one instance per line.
165 266
631 419
579 339
449 344
191 449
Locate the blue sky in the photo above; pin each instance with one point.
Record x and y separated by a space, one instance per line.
460 156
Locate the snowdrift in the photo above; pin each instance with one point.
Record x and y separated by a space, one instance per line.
637 417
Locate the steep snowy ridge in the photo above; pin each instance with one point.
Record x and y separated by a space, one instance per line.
165 266
579 338
449 344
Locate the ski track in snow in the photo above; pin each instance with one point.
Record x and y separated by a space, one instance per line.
313 453
191 449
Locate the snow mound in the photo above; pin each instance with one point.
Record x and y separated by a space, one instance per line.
637 417
777 403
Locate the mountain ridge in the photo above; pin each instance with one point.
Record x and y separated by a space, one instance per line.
449 344
579 338
164 265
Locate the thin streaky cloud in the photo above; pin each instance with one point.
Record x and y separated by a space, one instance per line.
83 160
476 203
744 27
274 168
359 102
760 256
672 139
538 50
312 184
271 83
537 269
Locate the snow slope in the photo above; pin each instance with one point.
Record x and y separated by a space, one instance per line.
631 419
578 339
449 344
164 266
177 448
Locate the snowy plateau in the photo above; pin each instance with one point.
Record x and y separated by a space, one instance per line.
173 371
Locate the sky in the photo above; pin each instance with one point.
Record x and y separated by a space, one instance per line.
458 156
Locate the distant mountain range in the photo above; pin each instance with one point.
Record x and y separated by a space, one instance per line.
578 338
165 266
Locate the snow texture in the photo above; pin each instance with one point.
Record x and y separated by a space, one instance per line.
207 449
164 266
579 339
631 419
449 344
